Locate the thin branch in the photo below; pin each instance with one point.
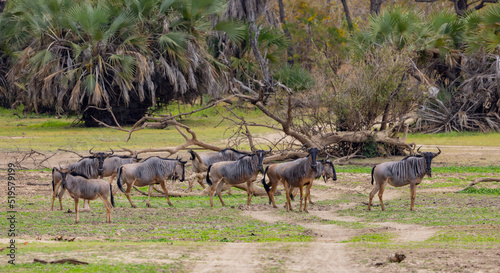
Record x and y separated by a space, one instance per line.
109 126
479 180
69 151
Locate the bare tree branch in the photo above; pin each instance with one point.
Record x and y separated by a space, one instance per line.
479 180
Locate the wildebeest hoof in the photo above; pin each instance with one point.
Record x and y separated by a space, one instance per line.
148 205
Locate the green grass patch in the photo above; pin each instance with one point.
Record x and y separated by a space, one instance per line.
346 224
380 237
52 124
433 210
435 170
486 191
473 235
46 133
100 267
185 221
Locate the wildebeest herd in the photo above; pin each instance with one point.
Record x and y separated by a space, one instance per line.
83 179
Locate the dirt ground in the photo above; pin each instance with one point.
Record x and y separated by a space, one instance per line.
326 253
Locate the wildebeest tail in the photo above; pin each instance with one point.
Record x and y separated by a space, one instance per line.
373 169
53 186
118 181
192 154
266 187
112 198
209 182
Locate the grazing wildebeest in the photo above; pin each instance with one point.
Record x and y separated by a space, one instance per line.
89 167
410 170
324 169
202 161
151 171
245 169
87 189
296 173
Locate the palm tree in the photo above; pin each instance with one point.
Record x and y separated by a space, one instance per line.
113 55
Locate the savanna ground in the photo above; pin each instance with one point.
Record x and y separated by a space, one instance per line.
449 232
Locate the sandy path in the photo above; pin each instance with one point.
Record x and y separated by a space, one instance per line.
231 257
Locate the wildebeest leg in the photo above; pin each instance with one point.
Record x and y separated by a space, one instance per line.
127 193
76 210
164 187
307 196
149 194
293 192
372 194
249 192
413 190
274 186
59 195
220 185
301 188
380 193
200 181
212 189
108 208
287 194
54 194
86 205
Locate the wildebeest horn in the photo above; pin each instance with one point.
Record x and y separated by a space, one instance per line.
438 152
270 149
418 150
90 151
112 152
327 156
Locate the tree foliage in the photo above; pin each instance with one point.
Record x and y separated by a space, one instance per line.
111 54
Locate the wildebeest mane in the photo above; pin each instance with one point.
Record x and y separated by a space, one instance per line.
411 156
236 151
410 168
121 156
242 168
86 167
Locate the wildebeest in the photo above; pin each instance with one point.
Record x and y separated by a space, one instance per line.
324 169
113 163
151 171
410 170
202 161
87 189
90 167
245 169
296 173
